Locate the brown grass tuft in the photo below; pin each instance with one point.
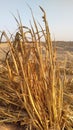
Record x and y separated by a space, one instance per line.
31 87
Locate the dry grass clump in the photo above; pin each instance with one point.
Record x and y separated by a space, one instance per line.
31 88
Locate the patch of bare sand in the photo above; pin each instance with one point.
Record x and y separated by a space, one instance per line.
7 128
3 50
10 127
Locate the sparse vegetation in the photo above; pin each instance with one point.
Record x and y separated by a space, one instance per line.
32 91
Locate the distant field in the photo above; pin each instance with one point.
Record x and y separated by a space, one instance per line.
63 49
3 49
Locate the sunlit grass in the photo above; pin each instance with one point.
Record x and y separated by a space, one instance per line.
31 87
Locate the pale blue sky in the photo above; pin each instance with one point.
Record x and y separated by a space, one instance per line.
59 15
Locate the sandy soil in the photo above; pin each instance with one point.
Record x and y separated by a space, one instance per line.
4 127
10 127
62 49
3 50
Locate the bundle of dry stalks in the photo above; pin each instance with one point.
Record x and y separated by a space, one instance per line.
31 88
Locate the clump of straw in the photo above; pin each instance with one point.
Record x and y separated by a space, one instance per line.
31 88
